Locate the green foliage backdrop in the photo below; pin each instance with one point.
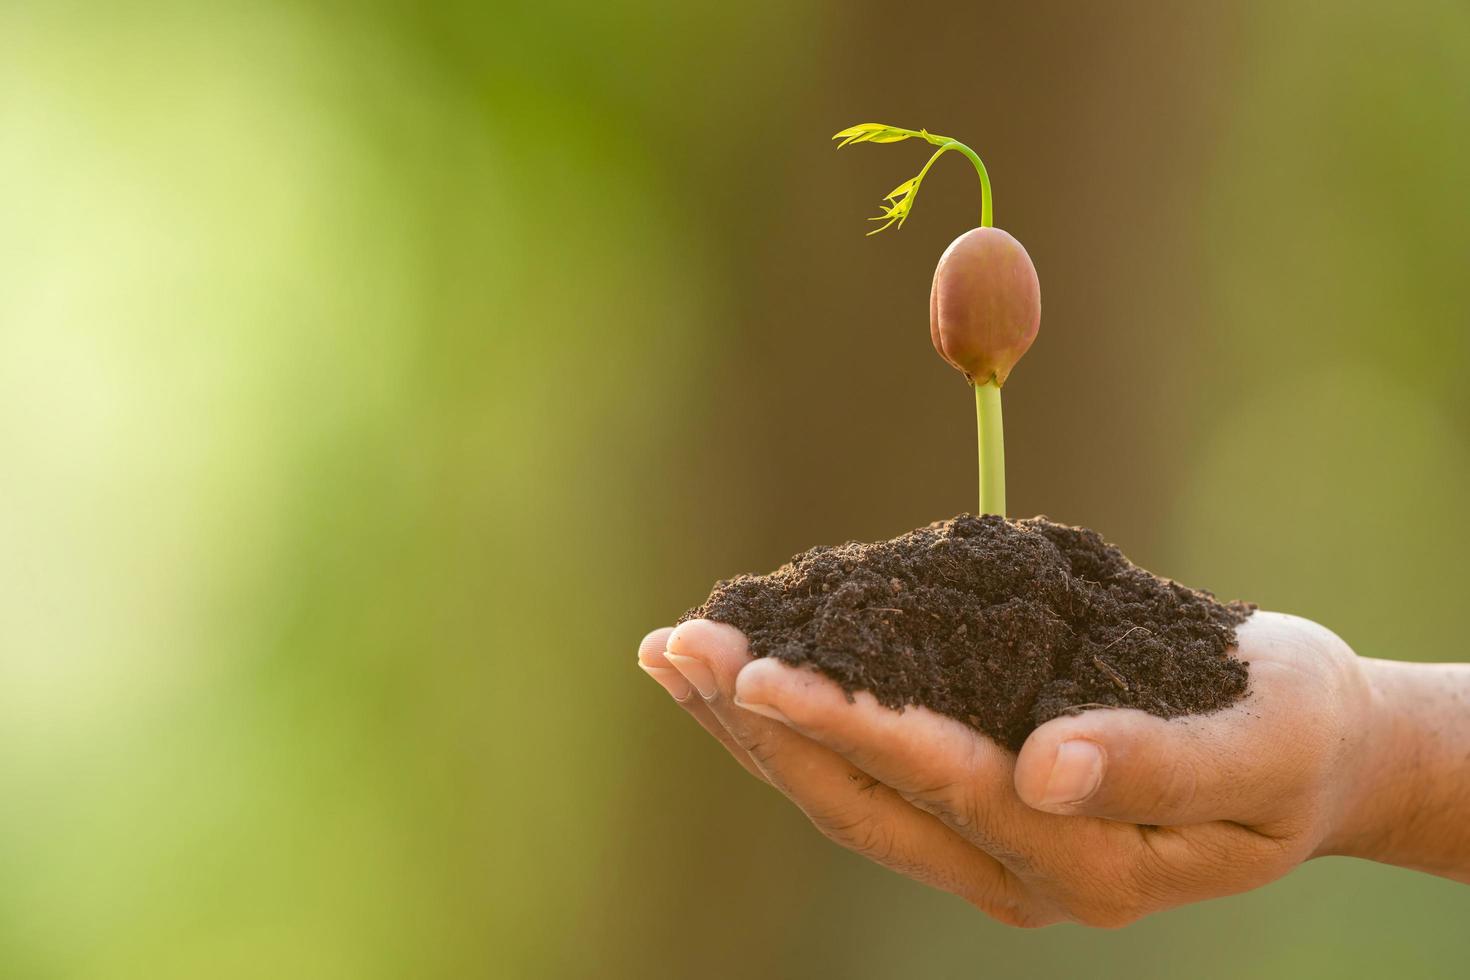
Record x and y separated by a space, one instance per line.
372 376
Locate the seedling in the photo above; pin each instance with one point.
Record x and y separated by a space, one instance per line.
985 303
974 617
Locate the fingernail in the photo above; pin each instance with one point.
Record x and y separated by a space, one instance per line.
695 672
671 680
1076 773
764 709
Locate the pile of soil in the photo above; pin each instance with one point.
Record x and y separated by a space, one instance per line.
1001 624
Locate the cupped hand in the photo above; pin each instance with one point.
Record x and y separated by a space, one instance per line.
1102 818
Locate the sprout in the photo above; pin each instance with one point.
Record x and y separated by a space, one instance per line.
985 304
902 197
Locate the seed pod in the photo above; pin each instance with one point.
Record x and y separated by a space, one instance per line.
985 305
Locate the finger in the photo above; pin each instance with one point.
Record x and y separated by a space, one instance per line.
846 804
653 663
937 763
651 659
1238 764
1125 764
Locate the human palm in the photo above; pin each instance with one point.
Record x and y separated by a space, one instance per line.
1102 817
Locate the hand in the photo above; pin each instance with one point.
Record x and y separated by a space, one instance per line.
1101 819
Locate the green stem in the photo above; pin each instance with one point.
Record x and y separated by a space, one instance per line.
990 431
987 213
987 210
992 449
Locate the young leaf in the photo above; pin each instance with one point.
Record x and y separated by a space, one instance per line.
872 133
903 190
902 196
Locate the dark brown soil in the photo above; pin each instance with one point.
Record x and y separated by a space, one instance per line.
1001 624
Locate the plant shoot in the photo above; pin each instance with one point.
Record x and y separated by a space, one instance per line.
985 303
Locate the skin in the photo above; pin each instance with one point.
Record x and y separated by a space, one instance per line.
1108 816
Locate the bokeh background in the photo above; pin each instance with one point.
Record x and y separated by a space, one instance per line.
374 375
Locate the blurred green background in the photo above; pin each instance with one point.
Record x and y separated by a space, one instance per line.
373 376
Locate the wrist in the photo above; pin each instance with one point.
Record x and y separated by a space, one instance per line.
1368 787
1405 794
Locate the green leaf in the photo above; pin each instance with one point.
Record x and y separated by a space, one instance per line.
872 133
904 189
897 213
860 128
902 197
881 228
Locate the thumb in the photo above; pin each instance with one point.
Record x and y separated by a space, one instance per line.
1124 764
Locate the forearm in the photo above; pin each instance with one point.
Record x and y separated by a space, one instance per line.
1410 804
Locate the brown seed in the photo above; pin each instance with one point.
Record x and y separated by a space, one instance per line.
985 305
